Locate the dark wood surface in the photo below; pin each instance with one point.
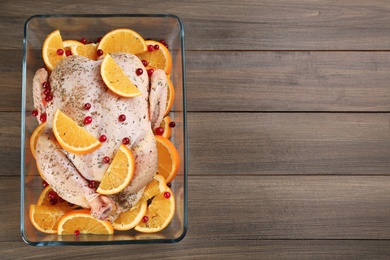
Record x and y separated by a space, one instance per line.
288 123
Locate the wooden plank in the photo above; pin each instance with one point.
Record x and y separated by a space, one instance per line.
264 143
290 207
244 25
288 81
266 81
10 143
292 25
11 80
216 249
289 143
265 207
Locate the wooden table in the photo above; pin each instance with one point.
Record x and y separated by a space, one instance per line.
288 121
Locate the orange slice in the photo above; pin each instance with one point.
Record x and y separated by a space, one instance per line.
122 40
160 212
72 137
45 218
84 222
68 44
86 50
116 79
119 173
34 138
155 187
165 125
159 58
129 219
44 199
52 43
168 158
170 97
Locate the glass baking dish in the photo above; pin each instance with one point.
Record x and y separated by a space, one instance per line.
154 26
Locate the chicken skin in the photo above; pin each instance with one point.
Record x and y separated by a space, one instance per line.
79 91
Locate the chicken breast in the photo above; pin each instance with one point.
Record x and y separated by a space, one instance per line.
75 82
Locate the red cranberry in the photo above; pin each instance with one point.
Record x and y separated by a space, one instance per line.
91 184
60 52
87 120
53 201
87 106
60 199
167 194
139 71
169 184
99 52
126 140
48 98
77 232
34 112
106 159
150 48
45 184
150 72
83 40
156 47
68 53
163 42
122 118
102 138
99 39
42 118
159 130
145 219
46 84
47 91
145 63
172 124
52 194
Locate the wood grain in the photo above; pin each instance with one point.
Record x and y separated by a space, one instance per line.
10 143
266 81
268 207
205 249
266 143
11 79
244 25
289 207
289 143
288 123
288 81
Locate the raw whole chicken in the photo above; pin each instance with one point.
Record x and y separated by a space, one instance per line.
79 91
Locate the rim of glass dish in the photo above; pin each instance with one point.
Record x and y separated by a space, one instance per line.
185 135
